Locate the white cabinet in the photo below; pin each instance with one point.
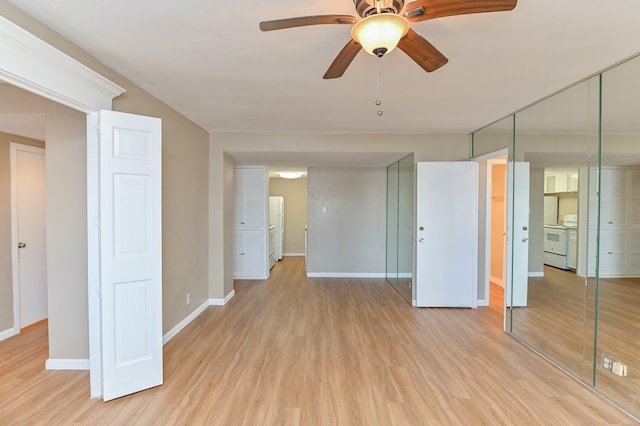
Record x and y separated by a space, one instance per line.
250 188
572 253
250 224
249 260
560 180
619 254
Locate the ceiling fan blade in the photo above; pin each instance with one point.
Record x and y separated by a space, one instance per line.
302 21
422 52
343 60
422 10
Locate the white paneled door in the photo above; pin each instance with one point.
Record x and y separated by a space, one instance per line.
447 234
130 252
29 234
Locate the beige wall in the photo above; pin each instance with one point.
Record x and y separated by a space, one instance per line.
425 147
350 235
185 206
294 192
567 204
6 270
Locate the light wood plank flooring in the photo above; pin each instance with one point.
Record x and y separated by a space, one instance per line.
560 321
293 350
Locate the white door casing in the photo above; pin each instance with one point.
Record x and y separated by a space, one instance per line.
28 236
517 274
130 240
447 221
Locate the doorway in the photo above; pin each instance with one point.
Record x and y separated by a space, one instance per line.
28 236
493 213
496 205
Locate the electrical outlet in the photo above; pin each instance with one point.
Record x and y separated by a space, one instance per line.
607 362
188 299
619 368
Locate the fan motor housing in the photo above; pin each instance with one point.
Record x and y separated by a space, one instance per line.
368 7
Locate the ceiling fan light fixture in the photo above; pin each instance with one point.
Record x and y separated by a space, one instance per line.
380 33
290 175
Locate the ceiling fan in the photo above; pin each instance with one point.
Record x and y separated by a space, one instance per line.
385 24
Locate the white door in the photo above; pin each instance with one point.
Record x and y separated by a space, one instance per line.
130 252
29 234
447 235
517 234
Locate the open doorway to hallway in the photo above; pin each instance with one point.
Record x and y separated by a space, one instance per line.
492 255
23 277
287 213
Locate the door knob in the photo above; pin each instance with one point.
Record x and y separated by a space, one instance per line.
525 239
524 228
21 245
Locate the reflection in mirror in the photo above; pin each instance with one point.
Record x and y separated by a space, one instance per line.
392 223
488 148
618 343
400 183
405 226
555 146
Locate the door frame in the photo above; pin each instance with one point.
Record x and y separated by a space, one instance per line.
13 148
32 64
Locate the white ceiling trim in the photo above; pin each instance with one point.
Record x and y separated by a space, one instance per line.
33 65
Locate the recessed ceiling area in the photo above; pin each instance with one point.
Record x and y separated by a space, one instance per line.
210 61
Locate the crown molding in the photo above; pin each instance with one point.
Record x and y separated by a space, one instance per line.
34 65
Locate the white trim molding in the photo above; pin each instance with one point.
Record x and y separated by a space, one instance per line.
34 65
346 275
66 364
293 254
10 332
483 302
536 275
222 302
185 322
195 314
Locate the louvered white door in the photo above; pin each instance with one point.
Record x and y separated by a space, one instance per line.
131 252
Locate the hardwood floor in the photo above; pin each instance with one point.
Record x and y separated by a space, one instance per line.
293 350
560 322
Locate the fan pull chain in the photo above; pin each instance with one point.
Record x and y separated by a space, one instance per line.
378 100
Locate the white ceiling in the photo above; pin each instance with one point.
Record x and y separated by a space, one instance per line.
208 59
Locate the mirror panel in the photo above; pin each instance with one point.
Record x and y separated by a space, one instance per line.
552 157
392 223
400 194
406 244
618 337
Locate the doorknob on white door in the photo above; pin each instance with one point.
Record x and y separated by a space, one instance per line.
21 245
525 239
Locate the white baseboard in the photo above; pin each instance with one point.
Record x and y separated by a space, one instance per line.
294 254
414 303
66 364
7 333
193 315
185 322
536 274
346 275
483 302
222 302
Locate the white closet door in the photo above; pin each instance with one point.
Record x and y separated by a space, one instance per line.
447 220
131 252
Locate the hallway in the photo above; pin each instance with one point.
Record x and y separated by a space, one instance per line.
292 350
